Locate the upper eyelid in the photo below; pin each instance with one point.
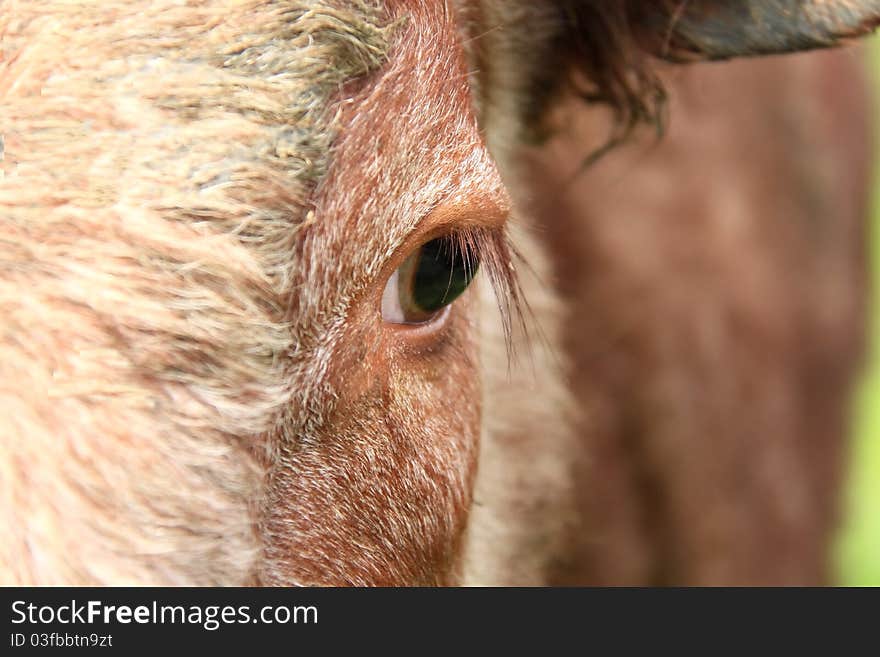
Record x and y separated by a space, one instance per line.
477 212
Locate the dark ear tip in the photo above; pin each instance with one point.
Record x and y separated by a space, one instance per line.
723 29
602 50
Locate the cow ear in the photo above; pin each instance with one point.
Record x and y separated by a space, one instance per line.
720 29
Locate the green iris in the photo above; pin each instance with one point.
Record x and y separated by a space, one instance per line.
442 273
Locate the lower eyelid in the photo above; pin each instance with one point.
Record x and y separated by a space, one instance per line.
428 330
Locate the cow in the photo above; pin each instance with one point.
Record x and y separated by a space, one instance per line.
362 292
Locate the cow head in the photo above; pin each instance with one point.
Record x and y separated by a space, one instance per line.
236 242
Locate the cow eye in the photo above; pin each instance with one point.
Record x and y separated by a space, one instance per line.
430 279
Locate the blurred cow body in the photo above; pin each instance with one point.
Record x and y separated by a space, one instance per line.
713 289
201 210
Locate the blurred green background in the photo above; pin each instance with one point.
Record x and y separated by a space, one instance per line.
858 553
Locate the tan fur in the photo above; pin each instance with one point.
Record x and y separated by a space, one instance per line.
158 163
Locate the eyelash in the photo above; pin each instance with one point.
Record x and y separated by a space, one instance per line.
496 256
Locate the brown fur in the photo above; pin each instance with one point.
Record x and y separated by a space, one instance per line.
715 287
200 204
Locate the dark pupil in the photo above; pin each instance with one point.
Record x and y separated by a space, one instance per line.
443 272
